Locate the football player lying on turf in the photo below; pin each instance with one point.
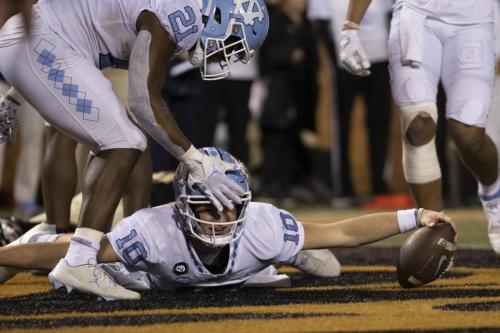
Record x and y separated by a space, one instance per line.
190 244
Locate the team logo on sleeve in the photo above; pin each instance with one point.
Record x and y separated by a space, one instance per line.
180 268
250 10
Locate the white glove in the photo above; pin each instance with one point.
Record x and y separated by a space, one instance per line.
8 120
210 175
352 54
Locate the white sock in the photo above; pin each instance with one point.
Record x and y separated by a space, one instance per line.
84 246
489 190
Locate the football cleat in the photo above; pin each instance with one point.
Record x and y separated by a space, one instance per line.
130 280
7 273
320 263
491 207
89 278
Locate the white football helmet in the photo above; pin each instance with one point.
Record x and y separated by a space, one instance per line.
188 194
233 30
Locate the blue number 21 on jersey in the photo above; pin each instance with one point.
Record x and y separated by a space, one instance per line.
187 19
292 228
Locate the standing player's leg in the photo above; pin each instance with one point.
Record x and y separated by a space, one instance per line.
27 179
14 110
137 193
414 90
468 77
138 188
74 96
59 178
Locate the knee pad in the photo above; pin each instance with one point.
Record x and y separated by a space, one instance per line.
420 163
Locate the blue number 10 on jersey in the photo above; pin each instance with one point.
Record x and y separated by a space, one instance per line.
133 253
292 228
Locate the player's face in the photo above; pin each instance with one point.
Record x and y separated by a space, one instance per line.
210 214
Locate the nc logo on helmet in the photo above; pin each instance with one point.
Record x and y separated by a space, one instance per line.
249 14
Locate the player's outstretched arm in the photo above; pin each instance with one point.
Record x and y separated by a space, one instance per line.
150 54
369 228
45 256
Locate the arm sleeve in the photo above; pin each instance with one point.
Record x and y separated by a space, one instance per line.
139 96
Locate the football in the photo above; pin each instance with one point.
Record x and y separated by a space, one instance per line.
426 255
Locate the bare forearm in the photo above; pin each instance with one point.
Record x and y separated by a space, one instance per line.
44 256
352 232
357 9
163 128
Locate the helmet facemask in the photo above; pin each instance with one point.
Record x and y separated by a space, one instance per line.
193 225
233 30
232 48
189 199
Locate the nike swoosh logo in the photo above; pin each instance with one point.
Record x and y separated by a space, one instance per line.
442 260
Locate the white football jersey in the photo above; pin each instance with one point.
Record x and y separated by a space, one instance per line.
459 12
102 27
151 241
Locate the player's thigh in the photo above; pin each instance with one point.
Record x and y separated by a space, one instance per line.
468 73
411 85
70 93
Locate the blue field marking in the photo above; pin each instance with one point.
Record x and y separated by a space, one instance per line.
53 67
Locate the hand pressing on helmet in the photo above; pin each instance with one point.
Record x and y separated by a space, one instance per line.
209 175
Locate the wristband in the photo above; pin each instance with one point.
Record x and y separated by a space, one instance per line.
408 219
352 25
418 216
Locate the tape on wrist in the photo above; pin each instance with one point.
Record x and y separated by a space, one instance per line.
352 25
408 220
191 154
